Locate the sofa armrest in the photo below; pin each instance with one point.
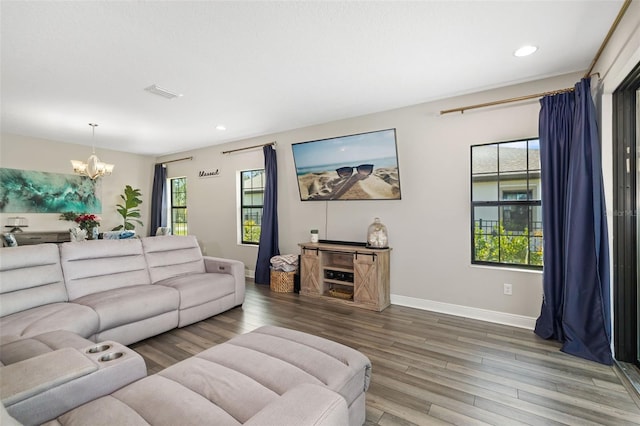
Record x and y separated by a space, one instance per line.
41 388
33 376
304 405
231 267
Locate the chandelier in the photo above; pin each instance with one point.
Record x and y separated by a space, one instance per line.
94 168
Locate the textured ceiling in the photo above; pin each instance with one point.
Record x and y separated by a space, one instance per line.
265 67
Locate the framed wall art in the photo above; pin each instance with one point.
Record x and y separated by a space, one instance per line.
27 191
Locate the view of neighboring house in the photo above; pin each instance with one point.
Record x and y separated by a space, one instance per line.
506 203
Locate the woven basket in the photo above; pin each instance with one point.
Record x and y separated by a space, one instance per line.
281 281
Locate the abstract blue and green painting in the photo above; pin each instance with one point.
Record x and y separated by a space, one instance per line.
27 191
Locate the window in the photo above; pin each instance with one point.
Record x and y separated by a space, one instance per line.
179 206
506 210
251 200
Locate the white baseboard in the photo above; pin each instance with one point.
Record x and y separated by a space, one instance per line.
249 273
465 311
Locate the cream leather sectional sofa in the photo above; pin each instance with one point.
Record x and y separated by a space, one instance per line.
67 312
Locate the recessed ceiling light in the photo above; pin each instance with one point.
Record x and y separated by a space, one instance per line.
221 127
525 51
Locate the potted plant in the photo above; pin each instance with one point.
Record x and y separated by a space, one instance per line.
87 222
129 209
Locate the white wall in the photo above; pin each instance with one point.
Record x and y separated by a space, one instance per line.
211 201
20 152
429 229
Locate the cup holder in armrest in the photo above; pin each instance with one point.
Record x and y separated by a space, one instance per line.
110 356
98 348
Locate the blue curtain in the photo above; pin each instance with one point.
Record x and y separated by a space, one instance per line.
576 306
555 131
269 227
158 199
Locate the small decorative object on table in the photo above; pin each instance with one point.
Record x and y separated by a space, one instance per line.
87 225
314 235
89 222
377 235
15 223
77 234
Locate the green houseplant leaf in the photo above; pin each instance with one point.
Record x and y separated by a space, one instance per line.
129 209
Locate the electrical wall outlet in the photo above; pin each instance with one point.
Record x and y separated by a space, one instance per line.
508 289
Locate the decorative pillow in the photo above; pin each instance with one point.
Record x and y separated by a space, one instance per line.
111 235
9 240
127 234
163 230
118 235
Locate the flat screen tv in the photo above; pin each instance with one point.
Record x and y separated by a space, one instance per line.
353 167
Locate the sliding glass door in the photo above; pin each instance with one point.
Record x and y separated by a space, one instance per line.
637 209
626 223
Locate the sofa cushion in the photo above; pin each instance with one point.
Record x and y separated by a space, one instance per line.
107 411
97 266
160 400
172 255
30 276
304 405
289 358
236 393
130 304
196 289
154 400
22 349
72 317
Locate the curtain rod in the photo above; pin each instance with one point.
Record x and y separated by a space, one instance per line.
249 147
506 101
621 13
623 9
177 159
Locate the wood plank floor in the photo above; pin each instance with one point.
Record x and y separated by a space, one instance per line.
428 368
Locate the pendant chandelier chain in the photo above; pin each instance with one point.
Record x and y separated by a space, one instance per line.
93 136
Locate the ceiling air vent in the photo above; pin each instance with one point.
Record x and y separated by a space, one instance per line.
161 92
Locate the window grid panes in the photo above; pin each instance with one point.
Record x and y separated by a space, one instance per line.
506 212
179 206
252 199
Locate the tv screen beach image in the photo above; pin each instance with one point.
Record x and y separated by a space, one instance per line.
355 167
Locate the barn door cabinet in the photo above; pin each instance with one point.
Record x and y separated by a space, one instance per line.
346 274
